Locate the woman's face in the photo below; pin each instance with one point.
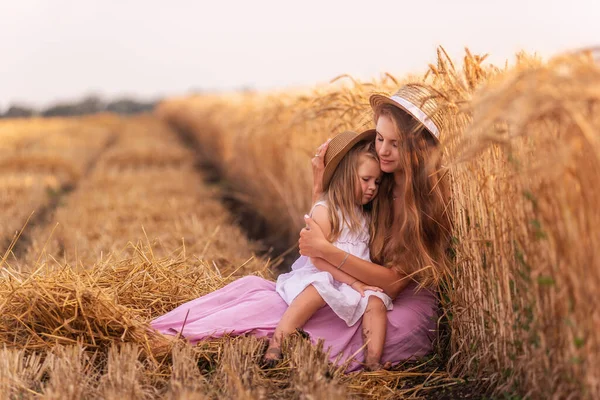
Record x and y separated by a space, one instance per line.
386 144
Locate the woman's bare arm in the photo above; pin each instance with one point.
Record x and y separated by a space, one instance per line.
337 274
354 283
318 167
390 280
313 244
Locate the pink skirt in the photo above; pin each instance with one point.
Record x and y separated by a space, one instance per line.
251 305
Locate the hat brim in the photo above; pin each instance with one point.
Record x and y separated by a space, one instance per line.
378 100
332 165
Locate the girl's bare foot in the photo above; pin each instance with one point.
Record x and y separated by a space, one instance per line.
372 367
377 366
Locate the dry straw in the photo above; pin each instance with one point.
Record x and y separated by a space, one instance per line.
85 334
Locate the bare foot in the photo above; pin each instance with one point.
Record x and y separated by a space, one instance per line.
271 358
377 366
372 366
161 345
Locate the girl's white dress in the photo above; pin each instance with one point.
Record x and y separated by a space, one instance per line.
346 302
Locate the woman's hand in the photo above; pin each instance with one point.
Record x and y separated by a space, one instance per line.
361 287
312 240
318 167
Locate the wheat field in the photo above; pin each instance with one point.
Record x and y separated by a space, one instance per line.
108 222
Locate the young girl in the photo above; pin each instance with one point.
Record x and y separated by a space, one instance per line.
351 180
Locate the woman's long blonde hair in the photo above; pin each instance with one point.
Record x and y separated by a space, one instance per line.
418 241
341 192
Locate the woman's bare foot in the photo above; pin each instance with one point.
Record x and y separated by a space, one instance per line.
161 345
271 358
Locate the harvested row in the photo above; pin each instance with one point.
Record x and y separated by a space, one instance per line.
523 151
40 161
145 188
62 147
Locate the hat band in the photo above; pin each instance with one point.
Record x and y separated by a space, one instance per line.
418 114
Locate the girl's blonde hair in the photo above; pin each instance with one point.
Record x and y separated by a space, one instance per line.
417 241
341 192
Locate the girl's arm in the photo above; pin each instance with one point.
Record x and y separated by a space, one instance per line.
321 218
313 244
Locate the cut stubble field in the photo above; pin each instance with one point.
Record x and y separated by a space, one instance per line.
109 222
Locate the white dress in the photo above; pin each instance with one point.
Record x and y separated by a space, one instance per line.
346 302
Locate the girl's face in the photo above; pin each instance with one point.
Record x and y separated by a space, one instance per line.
369 177
386 144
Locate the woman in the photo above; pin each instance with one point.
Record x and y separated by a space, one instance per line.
410 208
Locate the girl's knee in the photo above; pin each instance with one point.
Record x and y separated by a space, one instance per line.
375 303
311 295
317 297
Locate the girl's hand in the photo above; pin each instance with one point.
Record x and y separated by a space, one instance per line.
312 240
318 167
360 287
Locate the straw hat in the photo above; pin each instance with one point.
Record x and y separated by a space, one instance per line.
337 149
416 100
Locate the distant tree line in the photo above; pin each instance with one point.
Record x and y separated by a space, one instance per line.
88 105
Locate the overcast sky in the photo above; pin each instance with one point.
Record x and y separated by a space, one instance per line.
62 49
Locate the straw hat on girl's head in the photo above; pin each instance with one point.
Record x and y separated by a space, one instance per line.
337 149
417 101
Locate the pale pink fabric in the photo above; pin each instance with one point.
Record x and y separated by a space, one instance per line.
251 305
